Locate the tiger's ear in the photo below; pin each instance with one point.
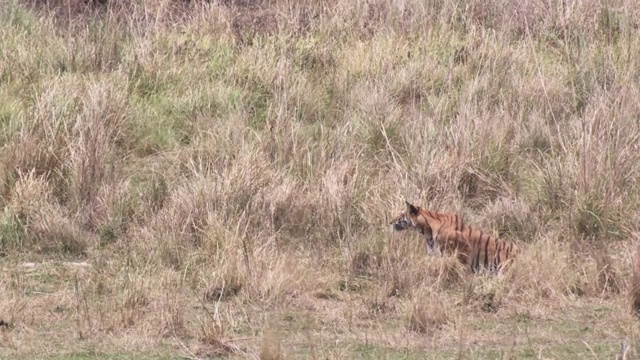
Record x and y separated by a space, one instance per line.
413 210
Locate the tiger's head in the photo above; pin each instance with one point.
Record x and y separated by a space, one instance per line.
410 218
406 219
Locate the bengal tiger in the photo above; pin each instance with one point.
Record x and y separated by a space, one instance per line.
475 249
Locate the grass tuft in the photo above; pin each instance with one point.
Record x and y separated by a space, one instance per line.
428 315
635 285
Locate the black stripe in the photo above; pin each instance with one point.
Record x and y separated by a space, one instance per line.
486 252
474 265
477 246
473 259
471 254
494 257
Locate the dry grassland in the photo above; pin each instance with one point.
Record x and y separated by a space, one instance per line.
201 180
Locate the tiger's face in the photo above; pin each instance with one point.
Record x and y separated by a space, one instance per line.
401 222
409 219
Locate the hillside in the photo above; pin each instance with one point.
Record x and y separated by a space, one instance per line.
205 179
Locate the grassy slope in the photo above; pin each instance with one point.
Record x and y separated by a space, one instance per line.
154 159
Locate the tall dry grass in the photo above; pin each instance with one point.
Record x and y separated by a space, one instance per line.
220 162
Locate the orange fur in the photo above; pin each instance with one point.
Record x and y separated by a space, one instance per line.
474 248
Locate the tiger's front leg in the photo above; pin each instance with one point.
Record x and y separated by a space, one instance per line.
429 245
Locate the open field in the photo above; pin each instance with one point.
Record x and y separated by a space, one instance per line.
202 180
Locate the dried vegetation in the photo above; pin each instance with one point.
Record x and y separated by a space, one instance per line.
215 178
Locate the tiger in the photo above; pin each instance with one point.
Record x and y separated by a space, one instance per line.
475 249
